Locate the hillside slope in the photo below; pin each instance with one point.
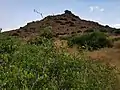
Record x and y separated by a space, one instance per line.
64 24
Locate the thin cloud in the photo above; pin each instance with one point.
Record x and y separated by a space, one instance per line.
102 9
96 8
91 9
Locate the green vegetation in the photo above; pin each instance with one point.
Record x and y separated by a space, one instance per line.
8 44
47 32
91 41
36 65
115 39
116 31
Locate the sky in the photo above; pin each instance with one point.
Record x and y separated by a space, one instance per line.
17 13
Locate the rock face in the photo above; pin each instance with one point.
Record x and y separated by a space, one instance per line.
64 24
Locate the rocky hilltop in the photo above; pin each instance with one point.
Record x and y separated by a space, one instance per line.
64 24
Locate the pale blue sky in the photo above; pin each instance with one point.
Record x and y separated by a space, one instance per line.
16 13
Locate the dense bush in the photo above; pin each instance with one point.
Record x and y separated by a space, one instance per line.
91 41
8 44
117 31
103 30
47 32
38 40
40 67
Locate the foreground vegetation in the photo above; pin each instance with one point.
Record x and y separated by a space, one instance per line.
35 65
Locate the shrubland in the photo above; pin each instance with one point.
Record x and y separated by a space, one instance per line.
36 65
90 41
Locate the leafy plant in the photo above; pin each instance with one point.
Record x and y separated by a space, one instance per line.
91 41
8 44
39 66
47 32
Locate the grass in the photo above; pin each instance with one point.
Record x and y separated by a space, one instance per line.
34 66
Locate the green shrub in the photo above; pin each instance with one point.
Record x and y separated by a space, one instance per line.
8 44
115 39
116 31
89 30
103 30
47 32
91 41
40 67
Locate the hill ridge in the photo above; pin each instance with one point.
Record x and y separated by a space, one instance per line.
62 24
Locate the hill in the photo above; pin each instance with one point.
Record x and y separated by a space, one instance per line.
64 24
74 62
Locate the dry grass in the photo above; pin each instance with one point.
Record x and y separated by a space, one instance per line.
109 55
60 43
117 44
63 44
